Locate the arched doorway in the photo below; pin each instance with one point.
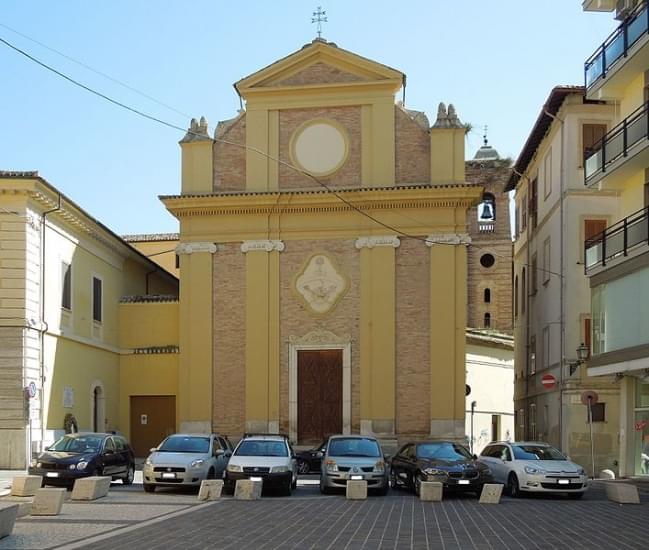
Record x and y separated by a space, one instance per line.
97 407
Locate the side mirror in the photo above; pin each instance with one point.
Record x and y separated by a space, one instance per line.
152 450
219 452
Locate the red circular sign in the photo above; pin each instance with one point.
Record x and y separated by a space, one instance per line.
548 381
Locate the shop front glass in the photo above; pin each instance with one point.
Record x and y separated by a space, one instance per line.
641 428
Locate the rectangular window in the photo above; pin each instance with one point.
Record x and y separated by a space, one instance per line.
532 421
546 261
523 291
546 347
177 261
547 175
533 203
587 334
96 299
531 363
535 268
592 134
516 218
592 228
66 287
495 427
524 213
598 410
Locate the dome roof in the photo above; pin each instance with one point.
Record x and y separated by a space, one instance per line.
486 152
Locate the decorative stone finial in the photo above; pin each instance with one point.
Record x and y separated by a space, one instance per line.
197 131
447 118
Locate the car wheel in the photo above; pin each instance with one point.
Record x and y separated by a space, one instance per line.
383 490
324 490
394 482
294 483
513 487
130 475
228 488
303 466
148 488
287 489
417 482
211 474
575 496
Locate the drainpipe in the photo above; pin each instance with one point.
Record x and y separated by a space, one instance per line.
43 328
562 305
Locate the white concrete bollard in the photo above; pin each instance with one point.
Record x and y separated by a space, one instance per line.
26 486
622 493
48 502
247 489
8 514
431 491
356 489
90 488
491 493
210 489
607 474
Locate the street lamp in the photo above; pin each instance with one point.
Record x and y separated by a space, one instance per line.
582 355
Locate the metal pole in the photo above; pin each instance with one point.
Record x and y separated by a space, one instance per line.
592 447
473 404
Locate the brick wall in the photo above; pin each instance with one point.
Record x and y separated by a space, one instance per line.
350 173
229 161
412 341
412 155
229 382
318 73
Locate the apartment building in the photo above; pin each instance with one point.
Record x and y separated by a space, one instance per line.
617 257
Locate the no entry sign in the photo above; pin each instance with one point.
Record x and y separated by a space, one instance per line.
548 381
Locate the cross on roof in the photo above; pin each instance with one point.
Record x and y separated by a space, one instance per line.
319 17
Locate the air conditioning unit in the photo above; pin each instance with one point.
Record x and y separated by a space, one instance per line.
623 8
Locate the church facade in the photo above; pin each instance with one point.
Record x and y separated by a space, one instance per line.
323 258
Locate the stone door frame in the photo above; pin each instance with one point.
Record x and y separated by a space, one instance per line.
314 341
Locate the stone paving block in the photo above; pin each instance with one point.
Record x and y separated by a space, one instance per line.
8 514
431 491
210 489
48 502
356 489
622 493
491 493
90 488
247 489
26 486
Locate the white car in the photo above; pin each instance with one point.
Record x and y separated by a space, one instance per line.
268 458
533 467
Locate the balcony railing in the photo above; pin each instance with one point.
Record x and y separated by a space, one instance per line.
617 142
617 45
617 240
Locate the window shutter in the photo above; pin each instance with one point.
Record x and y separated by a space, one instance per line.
593 228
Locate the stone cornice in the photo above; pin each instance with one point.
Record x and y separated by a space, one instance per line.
376 241
377 199
262 245
448 238
196 247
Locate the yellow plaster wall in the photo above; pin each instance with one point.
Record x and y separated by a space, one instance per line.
633 96
632 198
161 252
148 324
196 167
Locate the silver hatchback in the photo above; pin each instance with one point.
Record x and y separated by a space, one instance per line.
353 457
183 460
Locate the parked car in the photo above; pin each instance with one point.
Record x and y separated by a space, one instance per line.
269 458
310 461
85 454
183 460
443 461
533 467
351 457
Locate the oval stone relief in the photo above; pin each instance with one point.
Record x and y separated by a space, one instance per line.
319 147
320 285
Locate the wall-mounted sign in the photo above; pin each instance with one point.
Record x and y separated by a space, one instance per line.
548 381
144 419
31 390
68 397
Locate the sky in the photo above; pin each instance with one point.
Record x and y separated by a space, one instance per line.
495 61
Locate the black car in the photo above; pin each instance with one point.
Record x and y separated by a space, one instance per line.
85 454
309 461
443 461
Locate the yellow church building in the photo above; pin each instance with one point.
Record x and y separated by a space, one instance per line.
323 258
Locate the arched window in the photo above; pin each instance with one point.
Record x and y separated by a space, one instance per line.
487 295
487 320
487 208
516 296
523 292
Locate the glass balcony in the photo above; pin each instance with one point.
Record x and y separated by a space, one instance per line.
616 47
619 142
618 241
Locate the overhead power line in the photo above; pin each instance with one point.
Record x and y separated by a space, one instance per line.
255 150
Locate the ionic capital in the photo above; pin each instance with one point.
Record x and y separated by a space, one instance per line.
193 248
375 241
262 245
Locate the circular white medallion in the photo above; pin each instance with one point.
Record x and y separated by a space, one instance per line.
319 147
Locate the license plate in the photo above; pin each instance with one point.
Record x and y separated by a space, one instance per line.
52 474
354 478
255 479
167 475
564 481
463 481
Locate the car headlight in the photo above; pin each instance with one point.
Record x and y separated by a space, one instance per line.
234 468
72 467
379 466
196 463
331 466
279 469
33 463
82 465
148 461
581 472
435 472
532 470
39 465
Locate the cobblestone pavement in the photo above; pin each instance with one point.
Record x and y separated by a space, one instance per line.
309 520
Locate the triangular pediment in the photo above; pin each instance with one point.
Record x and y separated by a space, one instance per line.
320 64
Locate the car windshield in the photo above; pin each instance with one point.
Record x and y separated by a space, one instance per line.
78 444
536 452
353 446
185 444
443 451
262 448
